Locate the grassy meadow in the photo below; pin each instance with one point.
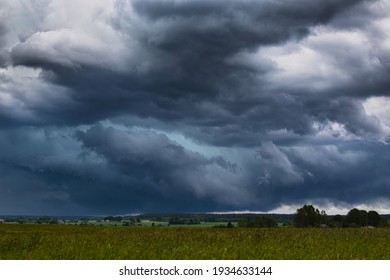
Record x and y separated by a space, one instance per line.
116 243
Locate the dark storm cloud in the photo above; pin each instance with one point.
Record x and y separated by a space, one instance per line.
29 158
352 172
104 169
153 165
122 106
109 170
191 50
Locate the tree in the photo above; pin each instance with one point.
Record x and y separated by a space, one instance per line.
176 221
245 223
356 218
307 216
383 222
126 223
337 221
373 218
269 222
230 225
113 218
353 218
258 222
363 218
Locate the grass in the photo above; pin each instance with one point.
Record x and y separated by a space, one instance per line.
115 243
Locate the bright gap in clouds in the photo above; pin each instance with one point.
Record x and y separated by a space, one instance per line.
330 208
379 107
185 142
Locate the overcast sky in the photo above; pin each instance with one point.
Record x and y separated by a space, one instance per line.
115 107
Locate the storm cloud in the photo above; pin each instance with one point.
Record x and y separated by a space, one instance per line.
134 106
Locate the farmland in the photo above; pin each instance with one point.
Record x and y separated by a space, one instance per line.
114 243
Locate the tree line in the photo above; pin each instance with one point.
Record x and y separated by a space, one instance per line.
306 216
309 216
257 222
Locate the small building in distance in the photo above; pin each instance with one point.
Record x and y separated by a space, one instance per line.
2 221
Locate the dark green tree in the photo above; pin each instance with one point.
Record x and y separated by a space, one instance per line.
353 218
176 221
245 223
307 216
324 217
373 218
269 222
230 225
356 218
363 218
337 221
258 222
383 222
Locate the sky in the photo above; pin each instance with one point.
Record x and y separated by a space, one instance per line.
119 106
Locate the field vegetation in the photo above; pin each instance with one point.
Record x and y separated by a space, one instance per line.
63 242
308 234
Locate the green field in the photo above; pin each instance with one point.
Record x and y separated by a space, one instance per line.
115 243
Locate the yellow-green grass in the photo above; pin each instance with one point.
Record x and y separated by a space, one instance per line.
115 243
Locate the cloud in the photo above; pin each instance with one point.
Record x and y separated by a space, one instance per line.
113 169
279 169
193 105
103 168
162 58
155 164
3 41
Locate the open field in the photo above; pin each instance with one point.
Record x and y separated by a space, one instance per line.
98 242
